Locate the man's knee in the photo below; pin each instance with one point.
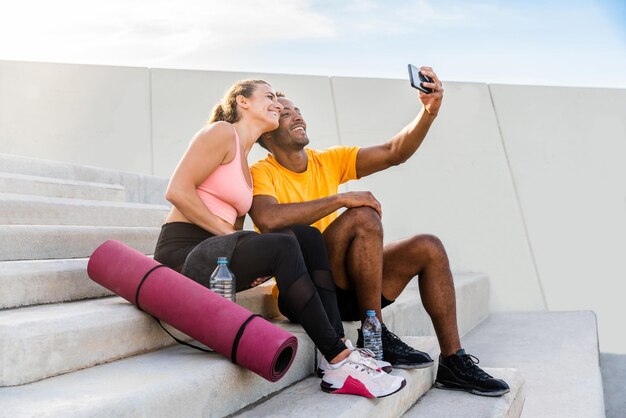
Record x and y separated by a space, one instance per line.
429 245
365 219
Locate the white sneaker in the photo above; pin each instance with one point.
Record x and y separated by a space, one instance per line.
354 377
368 358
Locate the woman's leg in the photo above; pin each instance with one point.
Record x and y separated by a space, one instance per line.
315 257
279 255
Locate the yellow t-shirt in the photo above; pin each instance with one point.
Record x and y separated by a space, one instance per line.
325 171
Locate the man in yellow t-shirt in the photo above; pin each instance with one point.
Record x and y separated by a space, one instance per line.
297 185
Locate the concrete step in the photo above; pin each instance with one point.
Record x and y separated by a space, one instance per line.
22 209
48 186
42 242
556 352
47 340
140 188
44 341
35 282
613 367
439 403
173 382
38 341
305 399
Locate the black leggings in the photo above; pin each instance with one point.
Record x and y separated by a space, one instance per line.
316 259
297 258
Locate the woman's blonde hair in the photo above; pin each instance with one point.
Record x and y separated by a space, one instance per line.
226 109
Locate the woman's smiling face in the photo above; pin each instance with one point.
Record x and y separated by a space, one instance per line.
264 106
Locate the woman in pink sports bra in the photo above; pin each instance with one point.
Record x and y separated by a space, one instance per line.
211 191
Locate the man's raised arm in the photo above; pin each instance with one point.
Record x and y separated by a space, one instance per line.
404 144
269 215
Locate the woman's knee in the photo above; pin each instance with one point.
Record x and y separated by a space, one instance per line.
275 246
313 247
287 262
304 233
284 243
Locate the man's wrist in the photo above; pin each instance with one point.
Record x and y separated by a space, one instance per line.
339 200
430 114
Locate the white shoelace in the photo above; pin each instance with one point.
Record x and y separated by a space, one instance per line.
366 352
366 362
365 368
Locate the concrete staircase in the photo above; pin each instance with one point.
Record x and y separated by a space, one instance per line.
70 348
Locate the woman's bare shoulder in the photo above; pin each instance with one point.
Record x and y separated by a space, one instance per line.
219 126
217 138
217 131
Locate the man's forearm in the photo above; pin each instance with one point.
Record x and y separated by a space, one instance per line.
398 149
305 213
407 141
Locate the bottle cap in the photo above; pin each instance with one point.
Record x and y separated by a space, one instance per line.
222 260
370 312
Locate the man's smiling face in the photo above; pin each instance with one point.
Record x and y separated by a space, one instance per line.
291 132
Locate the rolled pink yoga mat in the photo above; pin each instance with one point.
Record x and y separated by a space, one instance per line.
263 348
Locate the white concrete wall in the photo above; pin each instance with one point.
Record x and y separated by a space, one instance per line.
523 183
567 151
83 114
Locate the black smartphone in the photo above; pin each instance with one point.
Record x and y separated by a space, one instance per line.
417 78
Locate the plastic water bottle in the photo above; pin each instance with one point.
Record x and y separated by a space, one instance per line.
372 331
222 280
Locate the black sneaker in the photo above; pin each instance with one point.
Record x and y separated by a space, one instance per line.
398 353
460 372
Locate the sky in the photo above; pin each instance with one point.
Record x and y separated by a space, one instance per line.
561 42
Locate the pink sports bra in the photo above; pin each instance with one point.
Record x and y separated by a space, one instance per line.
226 192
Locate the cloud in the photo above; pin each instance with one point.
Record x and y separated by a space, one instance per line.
152 29
395 17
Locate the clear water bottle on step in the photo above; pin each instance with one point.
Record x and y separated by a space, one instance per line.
222 280
372 331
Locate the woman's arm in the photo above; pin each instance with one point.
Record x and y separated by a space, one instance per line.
212 146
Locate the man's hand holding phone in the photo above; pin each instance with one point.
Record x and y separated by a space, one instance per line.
430 88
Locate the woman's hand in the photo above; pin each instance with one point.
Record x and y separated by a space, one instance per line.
260 280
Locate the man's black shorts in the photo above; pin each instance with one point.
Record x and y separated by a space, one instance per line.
349 305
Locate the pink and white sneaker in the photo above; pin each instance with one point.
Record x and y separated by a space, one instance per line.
353 376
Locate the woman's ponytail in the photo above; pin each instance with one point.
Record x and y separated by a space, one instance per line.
217 114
